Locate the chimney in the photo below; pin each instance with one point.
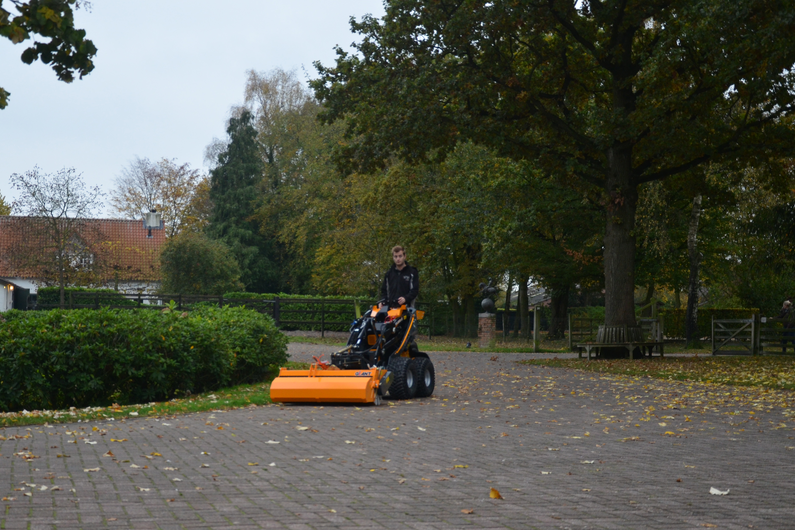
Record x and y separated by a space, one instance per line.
152 221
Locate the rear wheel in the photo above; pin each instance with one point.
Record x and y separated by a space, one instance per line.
426 376
404 372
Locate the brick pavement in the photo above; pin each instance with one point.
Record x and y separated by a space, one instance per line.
565 449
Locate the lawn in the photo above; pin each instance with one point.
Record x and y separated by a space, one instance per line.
225 398
774 372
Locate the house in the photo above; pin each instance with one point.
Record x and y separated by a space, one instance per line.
118 254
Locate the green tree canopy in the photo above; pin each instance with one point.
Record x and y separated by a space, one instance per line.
191 263
68 50
233 191
611 93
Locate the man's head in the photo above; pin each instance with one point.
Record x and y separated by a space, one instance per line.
399 256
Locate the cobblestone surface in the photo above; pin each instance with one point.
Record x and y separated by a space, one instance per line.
565 449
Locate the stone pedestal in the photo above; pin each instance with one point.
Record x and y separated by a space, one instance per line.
487 329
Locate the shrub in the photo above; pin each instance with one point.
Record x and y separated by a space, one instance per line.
62 358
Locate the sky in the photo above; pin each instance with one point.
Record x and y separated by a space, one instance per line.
166 75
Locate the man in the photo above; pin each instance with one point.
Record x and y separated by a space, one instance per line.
401 281
788 318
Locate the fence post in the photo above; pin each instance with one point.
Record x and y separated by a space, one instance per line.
276 315
323 319
753 334
713 334
536 320
571 345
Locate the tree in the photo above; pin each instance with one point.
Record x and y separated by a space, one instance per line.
612 94
191 263
165 186
5 208
58 246
68 50
299 174
233 191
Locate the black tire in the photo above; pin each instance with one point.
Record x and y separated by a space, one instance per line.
426 376
404 374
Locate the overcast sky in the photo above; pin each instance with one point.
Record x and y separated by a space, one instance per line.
165 77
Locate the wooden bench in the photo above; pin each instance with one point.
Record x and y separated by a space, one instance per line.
646 348
629 337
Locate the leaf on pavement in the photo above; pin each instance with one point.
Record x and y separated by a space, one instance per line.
716 491
110 454
91 470
494 494
467 511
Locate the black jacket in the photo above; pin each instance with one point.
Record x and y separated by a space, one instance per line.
405 283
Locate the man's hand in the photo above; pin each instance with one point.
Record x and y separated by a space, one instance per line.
401 300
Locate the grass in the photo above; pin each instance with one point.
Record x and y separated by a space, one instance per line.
226 398
774 372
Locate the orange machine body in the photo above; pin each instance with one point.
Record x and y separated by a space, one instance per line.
322 384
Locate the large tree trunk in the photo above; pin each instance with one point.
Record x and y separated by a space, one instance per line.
691 316
560 306
619 254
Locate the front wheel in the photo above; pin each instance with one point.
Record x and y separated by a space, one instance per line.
404 371
426 376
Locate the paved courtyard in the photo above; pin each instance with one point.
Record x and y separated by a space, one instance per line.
564 449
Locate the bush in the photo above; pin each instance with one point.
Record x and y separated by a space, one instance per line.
51 297
61 358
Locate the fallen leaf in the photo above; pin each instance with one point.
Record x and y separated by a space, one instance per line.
302 428
205 465
171 468
134 466
270 442
467 511
176 480
115 440
420 428
349 442
142 489
494 494
402 481
253 463
461 466
110 454
91 470
9 498
28 494
716 491
585 489
155 454
588 462
332 510
56 488
89 442
112 519
546 472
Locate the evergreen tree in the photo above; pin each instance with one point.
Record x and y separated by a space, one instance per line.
233 190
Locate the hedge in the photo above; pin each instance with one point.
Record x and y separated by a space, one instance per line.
675 319
51 296
87 357
311 310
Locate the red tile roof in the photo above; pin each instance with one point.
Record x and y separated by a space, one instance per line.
120 249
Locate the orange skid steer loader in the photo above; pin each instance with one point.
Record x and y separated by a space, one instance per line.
380 359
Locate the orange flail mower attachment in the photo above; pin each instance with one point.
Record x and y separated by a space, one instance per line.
327 385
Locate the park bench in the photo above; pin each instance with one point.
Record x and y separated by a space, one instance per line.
623 337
